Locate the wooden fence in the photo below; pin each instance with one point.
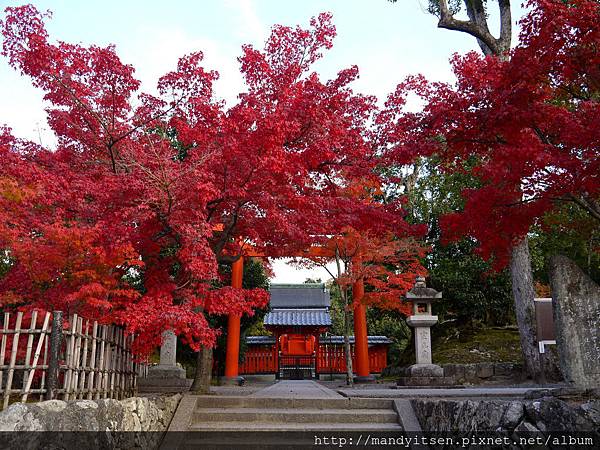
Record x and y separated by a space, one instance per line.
44 358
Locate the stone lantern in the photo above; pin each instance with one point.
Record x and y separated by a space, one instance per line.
422 320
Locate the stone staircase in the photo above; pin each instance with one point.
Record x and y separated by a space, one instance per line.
263 422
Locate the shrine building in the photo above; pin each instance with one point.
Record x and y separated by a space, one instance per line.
300 346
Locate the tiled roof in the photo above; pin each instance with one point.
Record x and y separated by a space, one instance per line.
336 340
298 316
340 340
307 295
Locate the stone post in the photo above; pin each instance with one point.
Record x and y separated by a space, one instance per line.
422 327
56 337
167 376
576 301
167 366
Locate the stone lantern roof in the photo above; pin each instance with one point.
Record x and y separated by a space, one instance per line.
420 292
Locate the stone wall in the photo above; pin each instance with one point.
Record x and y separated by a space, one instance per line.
479 373
549 412
136 422
482 372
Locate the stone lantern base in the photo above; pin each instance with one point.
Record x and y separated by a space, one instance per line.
424 375
166 376
164 379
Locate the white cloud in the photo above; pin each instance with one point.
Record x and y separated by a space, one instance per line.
160 50
249 26
286 273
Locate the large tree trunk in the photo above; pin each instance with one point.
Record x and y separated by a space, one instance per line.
523 293
203 376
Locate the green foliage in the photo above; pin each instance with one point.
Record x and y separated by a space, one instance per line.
5 262
438 191
336 310
379 323
569 231
471 291
393 325
433 6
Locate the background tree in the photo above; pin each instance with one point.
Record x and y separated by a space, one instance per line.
520 261
525 117
145 196
473 294
387 266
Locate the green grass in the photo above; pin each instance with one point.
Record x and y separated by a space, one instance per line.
484 345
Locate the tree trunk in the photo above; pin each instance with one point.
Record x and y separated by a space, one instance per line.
520 266
523 293
347 349
203 376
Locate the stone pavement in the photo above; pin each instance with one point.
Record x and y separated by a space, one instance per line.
297 389
470 392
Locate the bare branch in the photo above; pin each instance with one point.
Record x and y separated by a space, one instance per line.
587 204
477 25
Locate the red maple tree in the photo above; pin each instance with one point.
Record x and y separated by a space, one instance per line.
526 126
129 217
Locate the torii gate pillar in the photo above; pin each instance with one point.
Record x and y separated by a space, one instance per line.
361 343
233 330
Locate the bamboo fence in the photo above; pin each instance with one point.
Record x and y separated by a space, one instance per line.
42 359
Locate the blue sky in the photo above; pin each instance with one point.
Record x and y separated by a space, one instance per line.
387 41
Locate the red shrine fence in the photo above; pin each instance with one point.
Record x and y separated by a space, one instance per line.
44 358
330 359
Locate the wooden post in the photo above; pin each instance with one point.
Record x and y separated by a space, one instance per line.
3 344
31 332
84 361
233 327
56 336
100 378
91 384
13 358
36 357
69 359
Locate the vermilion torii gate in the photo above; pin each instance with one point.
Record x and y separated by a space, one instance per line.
361 346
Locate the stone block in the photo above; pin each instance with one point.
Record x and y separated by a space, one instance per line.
454 370
164 371
548 414
425 381
576 302
485 370
513 415
424 370
155 384
470 372
526 428
503 369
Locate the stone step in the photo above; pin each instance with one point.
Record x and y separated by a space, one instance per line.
162 385
353 427
211 401
299 415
